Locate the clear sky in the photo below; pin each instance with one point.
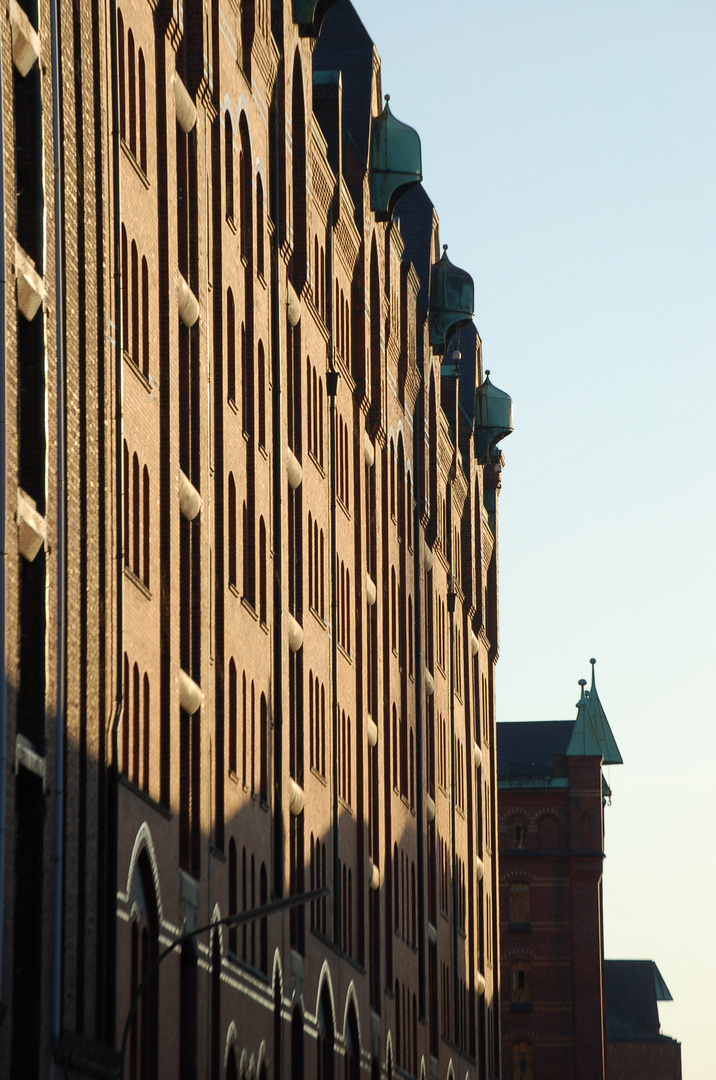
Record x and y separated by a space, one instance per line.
569 148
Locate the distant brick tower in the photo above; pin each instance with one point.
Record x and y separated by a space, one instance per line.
551 795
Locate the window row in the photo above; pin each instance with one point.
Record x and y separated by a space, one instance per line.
342 325
406 1029
441 620
401 500
248 758
319 278
316 575
405 897
136 726
317 724
314 412
403 757
344 469
342 629
345 879
447 1017
250 882
245 179
445 876
319 880
253 412
248 550
132 94
136 517
135 305
345 758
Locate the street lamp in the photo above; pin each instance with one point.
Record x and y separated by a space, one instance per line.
272 908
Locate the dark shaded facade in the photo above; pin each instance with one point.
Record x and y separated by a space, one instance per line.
551 836
636 1047
250 500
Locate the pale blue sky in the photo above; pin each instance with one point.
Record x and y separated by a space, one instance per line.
569 148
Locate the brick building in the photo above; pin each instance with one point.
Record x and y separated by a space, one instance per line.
636 1047
551 836
249 592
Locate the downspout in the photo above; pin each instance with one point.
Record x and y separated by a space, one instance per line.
278 481
3 538
332 377
417 552
113 809
61 540
453 764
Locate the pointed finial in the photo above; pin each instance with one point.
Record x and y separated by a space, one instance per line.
593 662
444 247
487 372
387 98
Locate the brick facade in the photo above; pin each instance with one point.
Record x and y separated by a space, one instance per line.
259 635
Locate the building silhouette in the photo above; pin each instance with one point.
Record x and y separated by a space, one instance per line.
636 1047
249 585
552 793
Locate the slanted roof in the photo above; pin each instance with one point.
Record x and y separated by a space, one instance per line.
633 988
610 750
345 45
528 749
584 741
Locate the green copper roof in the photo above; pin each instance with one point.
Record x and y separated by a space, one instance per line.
610 750
309 14
452 301
493 418
395 162
584 741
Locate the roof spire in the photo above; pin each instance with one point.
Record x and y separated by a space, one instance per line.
601 725
584 741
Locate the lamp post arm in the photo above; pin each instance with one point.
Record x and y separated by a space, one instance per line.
272 908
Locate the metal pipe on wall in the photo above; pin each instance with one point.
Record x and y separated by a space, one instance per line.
113 808
60 717
3 540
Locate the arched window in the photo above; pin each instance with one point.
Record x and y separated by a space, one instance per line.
230 346
125 291
263 929
145 527
132 80
352 1048
229 164
297 1051
142 114
233 717
136 726
263 731
522 1061
145 318
136 492
134 318
122 77
216 1047
145 735
260 269
262 395
232 530
324 1070
263 614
